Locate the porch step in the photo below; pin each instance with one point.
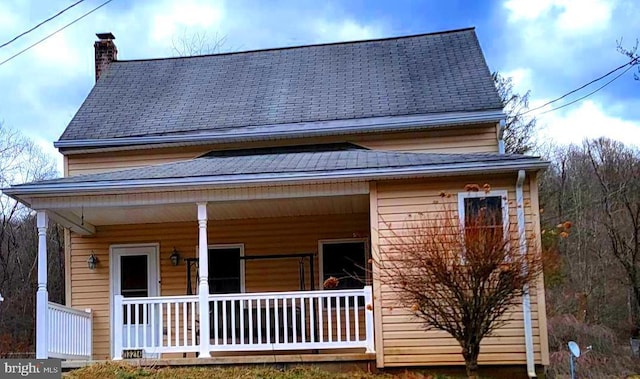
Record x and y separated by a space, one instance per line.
235 360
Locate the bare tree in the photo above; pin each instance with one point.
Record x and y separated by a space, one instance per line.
617 169
461 279
596 187
632 54
189 44
520 127
20 161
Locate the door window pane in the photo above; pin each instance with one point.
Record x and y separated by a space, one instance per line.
133 276
134 282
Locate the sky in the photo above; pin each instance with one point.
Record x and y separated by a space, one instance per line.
548 47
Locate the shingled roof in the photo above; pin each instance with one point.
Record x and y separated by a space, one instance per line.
414 75
328 161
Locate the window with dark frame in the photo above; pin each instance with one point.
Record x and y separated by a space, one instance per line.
225 275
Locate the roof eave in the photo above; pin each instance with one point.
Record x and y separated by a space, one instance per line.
533 164
299 130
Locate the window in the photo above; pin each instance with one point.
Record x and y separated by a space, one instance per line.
133 276
344 260
226 269
481 209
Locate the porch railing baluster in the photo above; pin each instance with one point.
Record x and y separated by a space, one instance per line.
294 316
185 318
276 305
177 336
145 322
233 322
329 321
356 323
242 308
250 308
169 324
338 319
224 322
303 321
259 315
267 321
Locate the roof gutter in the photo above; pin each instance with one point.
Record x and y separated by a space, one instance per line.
297 130
270 179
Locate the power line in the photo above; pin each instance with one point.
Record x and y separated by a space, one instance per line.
42 23
631 63
56 32
590 93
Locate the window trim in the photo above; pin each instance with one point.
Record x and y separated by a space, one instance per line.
322 242
480 194
242 265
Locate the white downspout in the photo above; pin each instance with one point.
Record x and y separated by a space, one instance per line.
526 299
502 127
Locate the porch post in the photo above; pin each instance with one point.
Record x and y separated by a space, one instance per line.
42 296
368 315
203 286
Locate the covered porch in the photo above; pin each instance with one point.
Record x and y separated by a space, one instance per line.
157 268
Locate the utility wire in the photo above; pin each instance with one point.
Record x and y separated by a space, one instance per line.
590 93
42 23
631 63
56 32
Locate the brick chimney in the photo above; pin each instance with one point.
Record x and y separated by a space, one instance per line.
106 52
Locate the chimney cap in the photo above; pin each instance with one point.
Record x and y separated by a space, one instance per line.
104 36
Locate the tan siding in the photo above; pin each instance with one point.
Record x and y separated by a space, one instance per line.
463 140
90 289
79 164
542 308
471 139
404 340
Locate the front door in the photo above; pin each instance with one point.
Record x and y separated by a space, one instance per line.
134 273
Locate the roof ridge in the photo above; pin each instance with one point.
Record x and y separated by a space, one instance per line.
450 31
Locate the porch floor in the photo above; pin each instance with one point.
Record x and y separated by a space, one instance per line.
236 360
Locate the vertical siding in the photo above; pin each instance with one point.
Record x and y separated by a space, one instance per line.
402 341
90 289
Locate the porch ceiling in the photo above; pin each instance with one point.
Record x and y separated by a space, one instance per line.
224 210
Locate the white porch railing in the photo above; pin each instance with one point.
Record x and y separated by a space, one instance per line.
162 324
69 334
292 320
301 320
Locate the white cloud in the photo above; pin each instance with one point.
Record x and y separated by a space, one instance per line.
172 17
584 15
345 30
520 78
567 15
587 120
527 9
554 46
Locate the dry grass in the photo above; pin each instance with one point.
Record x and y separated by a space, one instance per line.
126 371
609 358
